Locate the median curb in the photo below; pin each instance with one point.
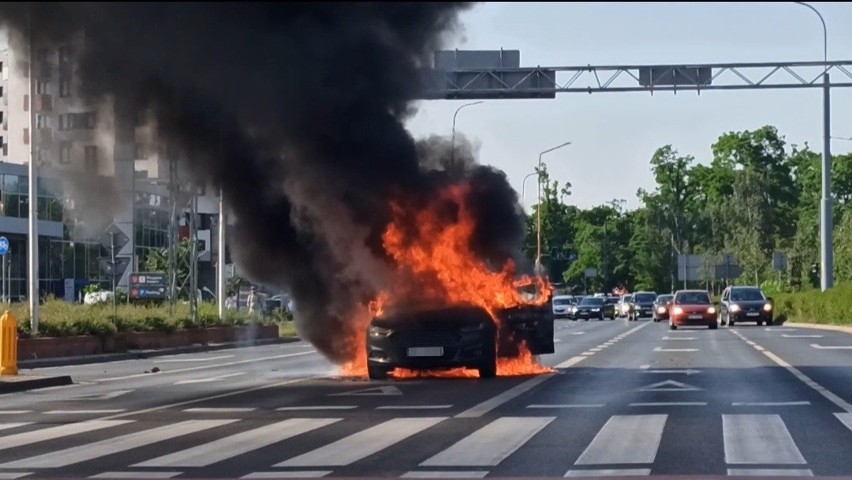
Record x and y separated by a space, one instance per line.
21 383
139 354
819 326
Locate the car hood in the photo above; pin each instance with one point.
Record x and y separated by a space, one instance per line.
431 318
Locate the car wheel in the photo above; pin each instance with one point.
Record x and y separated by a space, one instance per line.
673 326
377 373
769 323
713 326
488 369
730 322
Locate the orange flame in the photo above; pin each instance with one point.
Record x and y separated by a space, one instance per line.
435 263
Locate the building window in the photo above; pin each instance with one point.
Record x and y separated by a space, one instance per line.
64 87
26 136
3 146
65 54
91 119
42 87
65 153
42 54
140 151
1 116
91 159
78 121
26 103
41 155
41 120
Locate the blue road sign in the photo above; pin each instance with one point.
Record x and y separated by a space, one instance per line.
4 246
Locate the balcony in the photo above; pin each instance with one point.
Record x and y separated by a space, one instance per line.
43 103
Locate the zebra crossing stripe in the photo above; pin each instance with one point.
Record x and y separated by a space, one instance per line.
82 453
626 439
51 433
363 444
234 445
758 439
491 444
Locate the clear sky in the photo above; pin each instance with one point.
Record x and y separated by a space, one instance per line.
613 135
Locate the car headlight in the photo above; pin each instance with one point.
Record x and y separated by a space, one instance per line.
767 307
735 308
661 310
378 331
711 310
677 311
596 309
573 309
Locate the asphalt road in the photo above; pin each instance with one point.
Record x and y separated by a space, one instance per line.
626 398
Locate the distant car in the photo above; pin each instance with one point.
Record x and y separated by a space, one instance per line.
745 304
594 307
692 307
661 307
642 305
562 305
623 307
435 338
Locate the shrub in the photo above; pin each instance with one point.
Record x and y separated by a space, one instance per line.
832 307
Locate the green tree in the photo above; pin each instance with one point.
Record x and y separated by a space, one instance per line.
158 261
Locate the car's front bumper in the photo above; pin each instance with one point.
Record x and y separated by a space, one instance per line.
459 349
760 316
705 319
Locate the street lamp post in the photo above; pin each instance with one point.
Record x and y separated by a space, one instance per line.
538 209
453 141
524 187
826 251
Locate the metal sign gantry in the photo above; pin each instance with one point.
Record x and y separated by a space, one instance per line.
497 74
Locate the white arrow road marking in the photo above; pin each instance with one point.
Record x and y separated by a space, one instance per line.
668 386
387 390
832 347
688 371
210 379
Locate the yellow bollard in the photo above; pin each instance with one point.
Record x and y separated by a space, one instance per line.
8 344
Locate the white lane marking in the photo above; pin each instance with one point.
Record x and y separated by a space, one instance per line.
618 472
770 404
576 333
588 353
579 358
626 439
687 371
468 474
220 410
413 407
801 336
238 444
84 412
758 439
91 451
302 474
845 419
209 379
13 475
831 347
669 404
644 367
14 412
50 433
769 472
668 386
680 338
510 394
362 444
203 367
102 396
372 391
139 475
567 405
6 426
491 444
207 359
769 329
661 349
316 407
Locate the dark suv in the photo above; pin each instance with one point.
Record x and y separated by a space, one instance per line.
642 305
745 304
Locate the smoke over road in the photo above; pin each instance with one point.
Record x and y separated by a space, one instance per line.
296 111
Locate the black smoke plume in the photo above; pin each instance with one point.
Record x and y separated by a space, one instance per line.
296 111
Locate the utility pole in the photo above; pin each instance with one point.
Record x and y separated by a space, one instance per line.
220 260
113 271
32 264
173 233
193 255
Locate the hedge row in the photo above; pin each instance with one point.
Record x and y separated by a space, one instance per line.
58 318
833 307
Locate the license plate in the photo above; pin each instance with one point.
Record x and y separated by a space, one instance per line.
753 314
695 317
426 352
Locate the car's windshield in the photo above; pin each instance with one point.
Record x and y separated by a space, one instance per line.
692 298
664 299
562 301
645 297
593 301
746 295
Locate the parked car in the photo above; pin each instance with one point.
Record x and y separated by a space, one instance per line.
692 307
642 305
594 307
662 306
745 304
428 337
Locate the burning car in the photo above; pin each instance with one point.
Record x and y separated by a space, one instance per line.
450 337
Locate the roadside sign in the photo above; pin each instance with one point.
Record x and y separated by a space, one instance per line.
120 238
116 270
591 273
153 285
4 246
